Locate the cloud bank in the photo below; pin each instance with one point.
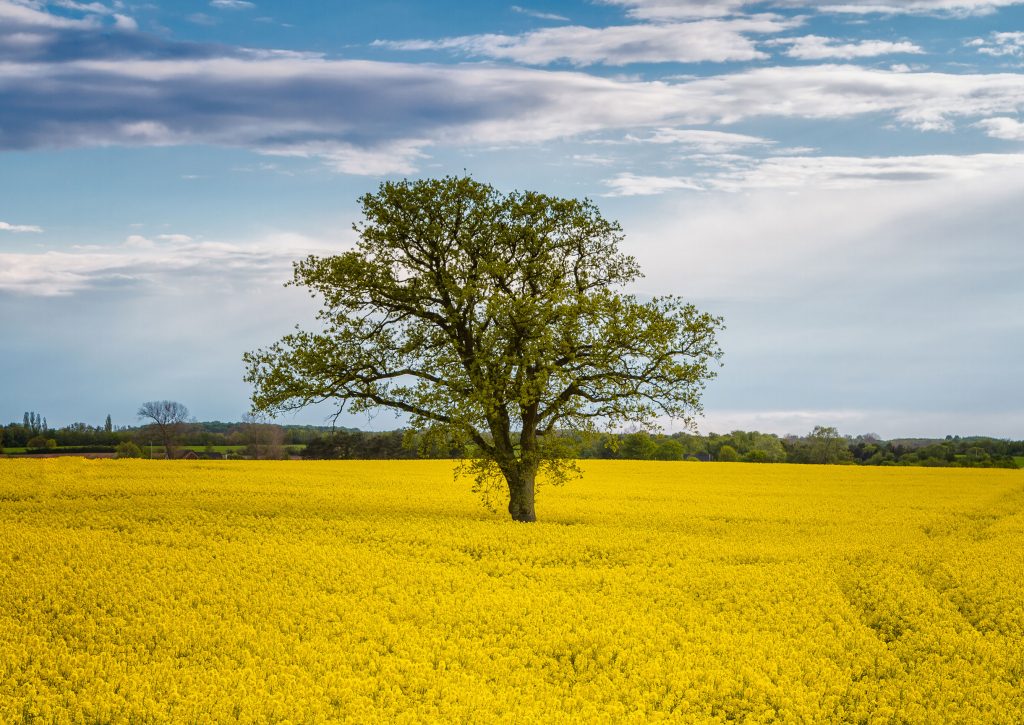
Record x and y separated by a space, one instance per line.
707 40
372 118
740 173
816 47
79 83
661 10
165 262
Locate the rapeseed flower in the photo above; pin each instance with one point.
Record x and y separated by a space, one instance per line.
314 592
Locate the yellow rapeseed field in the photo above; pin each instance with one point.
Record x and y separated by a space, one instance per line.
137 591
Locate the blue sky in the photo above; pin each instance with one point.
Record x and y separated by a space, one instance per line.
840 180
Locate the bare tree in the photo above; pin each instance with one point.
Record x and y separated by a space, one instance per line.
170 420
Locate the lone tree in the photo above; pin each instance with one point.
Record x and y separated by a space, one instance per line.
494 321
825 445
169 419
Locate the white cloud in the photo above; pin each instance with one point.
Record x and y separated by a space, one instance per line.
538 14
735 173
139 241
232 4
592 159
18 15
816 47
627 184
847 172
19 228
177 259
705 141
680 9
201 19
1008 129
124 22
93 8
949 8
398 157
927 101
148 133
33 14
1000 44
707 40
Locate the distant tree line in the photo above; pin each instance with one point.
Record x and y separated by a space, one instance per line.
251 438
823 445
357 444
170 434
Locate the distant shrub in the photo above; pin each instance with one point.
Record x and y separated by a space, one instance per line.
128 449
669 450
728 453
41 443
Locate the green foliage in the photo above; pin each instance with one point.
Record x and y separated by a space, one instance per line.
822 445
669 449
34 423
638 446
214 449
728 454
362 445
40 442
761 447
128 449
490 319
977 456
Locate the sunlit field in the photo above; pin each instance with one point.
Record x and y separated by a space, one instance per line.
138 591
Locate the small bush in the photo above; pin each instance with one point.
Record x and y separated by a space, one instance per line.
728 453
127 449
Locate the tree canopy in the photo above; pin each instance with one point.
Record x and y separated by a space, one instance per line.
493 320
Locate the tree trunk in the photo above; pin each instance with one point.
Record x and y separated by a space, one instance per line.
165 438
521 495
